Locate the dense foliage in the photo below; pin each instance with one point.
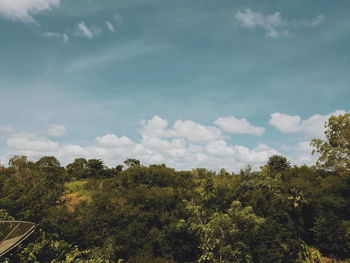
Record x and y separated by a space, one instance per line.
87 212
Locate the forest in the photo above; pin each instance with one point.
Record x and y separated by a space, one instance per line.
88 212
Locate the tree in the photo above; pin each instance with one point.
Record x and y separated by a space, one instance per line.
94 168
78 169
131 163
18 162
226 237
335 150
48 162
278 163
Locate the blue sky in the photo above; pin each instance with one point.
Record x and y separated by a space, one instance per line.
187 83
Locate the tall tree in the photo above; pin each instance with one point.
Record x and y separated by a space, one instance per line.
335 150
278 163
78 169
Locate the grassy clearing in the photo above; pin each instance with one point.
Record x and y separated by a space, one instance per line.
76 186
75 193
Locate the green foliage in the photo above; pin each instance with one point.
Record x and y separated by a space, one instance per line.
46 248
75 186
28 190
77 169
335 151
131 163
278 163
135 213
226 237
5 216
308 255
332 236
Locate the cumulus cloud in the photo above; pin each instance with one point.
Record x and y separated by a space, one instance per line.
301 153
57 130
154 127
175 148
311 127
87 31
29 143
220 149
25 9
184 145
258 155
234 125
190 130
273 24
194 132
285 123
111 140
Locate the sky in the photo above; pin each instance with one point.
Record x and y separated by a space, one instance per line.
188 83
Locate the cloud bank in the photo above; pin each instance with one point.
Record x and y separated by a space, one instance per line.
233 125
184 145
24 10
311 127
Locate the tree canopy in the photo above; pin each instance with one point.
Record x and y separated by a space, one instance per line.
335 149
88 212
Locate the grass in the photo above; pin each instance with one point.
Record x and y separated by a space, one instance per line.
76 192
76 186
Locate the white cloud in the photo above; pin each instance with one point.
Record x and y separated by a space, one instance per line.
111 140
73 151
154 127
110 26
185 145
318 20
26 142
285 123
84 31
273 24
259 155
311 127
194 132
63 36
234 125
270 23
175 148
303 154
304 147
25 9
300 154
52 34
220 149
190 130
57 130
